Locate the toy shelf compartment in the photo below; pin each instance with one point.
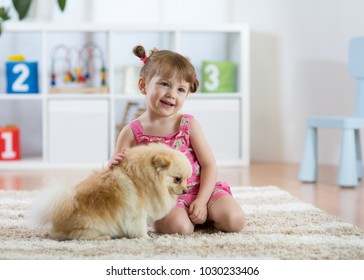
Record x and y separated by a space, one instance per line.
26 43
78 62
26 115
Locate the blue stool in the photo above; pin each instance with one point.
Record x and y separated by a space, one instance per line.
350 170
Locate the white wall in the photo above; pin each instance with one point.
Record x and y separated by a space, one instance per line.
298 65
144 11
299 68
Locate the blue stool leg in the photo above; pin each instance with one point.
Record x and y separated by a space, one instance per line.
359 160
308 170
348 175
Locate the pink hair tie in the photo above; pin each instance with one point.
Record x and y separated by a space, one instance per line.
144 59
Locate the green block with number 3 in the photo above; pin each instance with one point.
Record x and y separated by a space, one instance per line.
218 76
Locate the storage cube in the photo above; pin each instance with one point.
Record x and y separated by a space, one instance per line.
22 77
78 130
218 76
9 143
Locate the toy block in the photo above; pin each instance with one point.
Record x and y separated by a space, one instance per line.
9 143
22 77
218 76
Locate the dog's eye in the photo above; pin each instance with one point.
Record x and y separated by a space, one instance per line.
177 180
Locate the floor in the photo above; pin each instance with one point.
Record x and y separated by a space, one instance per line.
347 203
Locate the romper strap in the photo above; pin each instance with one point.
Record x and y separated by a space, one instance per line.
137 129
186 123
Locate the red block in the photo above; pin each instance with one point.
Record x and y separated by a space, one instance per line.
9 143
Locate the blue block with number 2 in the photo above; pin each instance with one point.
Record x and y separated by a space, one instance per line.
22 77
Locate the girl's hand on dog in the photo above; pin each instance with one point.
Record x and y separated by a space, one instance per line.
117 159
198 212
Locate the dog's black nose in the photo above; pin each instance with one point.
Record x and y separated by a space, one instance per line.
184 192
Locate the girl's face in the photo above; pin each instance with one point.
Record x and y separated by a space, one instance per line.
165 96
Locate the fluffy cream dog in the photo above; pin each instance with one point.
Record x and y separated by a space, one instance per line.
121 202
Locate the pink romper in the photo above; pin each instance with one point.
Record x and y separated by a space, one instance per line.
180 140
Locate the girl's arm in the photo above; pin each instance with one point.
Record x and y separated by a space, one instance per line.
124 141
208 176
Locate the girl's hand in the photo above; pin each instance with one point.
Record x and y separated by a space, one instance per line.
198 212
117 158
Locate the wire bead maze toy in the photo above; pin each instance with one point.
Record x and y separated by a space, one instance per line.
79 69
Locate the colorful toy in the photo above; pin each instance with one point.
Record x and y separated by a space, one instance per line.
21 75
88 54
218 76
79 69
9 143
61 54
16 57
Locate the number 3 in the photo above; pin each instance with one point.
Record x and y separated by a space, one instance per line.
213 73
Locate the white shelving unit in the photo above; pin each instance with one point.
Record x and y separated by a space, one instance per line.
224 116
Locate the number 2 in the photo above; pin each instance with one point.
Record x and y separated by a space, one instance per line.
19 84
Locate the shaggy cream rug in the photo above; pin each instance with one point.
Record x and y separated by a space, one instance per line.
279 226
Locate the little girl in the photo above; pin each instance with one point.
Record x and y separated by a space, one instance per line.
165 80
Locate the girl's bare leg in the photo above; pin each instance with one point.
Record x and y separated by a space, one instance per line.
227 214
177 221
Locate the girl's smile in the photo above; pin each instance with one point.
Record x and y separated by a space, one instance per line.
165 96
167 103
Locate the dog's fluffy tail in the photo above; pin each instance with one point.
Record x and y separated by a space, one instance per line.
53 202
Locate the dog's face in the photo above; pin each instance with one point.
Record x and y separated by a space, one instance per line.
157 165
175 169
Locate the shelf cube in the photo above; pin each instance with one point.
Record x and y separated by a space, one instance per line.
9 143
22 77
78 130
218 76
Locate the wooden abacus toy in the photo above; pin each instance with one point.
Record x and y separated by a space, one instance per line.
79 70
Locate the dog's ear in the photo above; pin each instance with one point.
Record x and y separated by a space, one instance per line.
161 162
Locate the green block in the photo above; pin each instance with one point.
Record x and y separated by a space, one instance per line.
218 76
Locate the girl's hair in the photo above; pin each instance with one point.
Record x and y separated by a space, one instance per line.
167 64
